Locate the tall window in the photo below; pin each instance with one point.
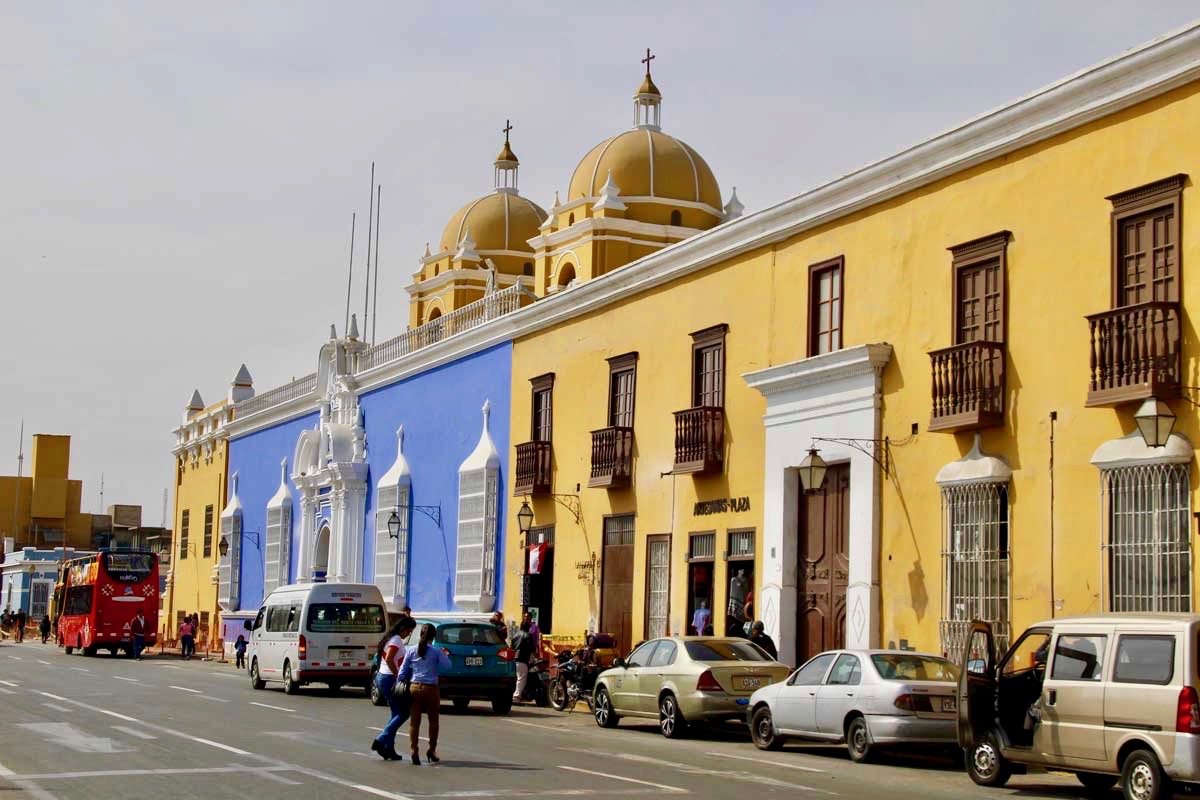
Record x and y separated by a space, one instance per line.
979 289
39 599
825 306
543 408
622 386
1147 546
208 531
708 366
1145 243
976 561
185 519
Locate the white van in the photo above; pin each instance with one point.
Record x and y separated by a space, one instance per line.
316 632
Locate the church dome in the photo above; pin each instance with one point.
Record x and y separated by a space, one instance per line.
646 162
501 220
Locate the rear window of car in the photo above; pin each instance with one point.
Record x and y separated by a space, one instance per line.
468 634
903 667
1145 659
345 618
724 651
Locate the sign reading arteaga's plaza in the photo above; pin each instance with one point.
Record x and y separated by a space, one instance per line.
721 506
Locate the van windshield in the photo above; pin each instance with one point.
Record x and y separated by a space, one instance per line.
345 618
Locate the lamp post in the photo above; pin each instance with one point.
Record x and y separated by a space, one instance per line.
1155 419
524 523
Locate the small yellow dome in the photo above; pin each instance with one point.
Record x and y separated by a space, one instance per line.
643 163
502 220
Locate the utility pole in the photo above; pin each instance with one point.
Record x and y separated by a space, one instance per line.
17 490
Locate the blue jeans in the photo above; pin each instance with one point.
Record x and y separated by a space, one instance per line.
139 642
387 737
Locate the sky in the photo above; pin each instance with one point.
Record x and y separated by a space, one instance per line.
177 180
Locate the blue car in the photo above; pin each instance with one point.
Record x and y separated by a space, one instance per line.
482 665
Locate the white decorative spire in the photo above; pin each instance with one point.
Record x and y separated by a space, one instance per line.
332 331
734 208
547 225
284 493
427 253
399 472
353 326
235 503
610 196
466 248
485 454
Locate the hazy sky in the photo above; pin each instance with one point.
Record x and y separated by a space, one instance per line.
178 179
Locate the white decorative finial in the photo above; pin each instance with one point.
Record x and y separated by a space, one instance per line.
427 253
234 480
400 439
734 208
557 202
487 412
332 331
466 248
353 326
610 196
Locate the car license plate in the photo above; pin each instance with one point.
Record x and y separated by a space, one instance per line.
474 661
750 682
345 654
949 704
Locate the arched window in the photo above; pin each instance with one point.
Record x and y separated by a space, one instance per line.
566 276
437 312
676 218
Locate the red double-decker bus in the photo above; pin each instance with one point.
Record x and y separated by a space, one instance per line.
97 598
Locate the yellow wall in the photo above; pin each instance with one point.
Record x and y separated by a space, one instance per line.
48 499
898 289
198 484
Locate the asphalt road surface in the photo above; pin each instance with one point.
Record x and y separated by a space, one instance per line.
102 727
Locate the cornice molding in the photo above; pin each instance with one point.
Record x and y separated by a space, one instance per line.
852 362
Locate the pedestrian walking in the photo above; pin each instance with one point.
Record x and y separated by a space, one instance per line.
44 628
758 635
421 667
522 642
535 633
239 647
391 652
187 633
138 629
498 624
20 621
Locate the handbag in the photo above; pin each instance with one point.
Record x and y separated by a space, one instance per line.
402 693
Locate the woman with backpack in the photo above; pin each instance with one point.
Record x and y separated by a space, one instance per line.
390 653
421 667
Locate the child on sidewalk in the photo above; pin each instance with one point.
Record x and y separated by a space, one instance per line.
239 647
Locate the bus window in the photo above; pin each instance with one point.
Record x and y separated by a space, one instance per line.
128 567
79 600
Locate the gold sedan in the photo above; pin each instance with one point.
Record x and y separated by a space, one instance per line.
682 680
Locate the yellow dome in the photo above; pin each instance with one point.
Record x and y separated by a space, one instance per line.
501 220
646 162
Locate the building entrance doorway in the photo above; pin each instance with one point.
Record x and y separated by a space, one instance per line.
824 564
616 586
658 585
540 568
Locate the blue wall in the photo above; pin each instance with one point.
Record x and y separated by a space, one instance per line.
441 413
255 458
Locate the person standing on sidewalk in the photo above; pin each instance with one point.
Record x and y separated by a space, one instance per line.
523 643
391 654
21 622
44 628
138 629
186 637
239 647
421 667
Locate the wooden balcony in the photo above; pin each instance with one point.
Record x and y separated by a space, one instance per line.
1134 353
533 469
700 440
612 458
968 387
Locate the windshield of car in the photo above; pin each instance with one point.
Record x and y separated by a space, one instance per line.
466 633
904 667
345 618
717 650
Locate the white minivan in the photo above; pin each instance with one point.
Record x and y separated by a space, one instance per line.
316 632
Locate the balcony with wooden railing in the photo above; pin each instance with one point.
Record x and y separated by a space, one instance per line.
612 458
700 440
1134 353
533 468
968 387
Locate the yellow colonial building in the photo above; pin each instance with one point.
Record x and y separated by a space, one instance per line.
953 344
201 474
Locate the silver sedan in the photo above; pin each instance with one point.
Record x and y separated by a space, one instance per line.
865 698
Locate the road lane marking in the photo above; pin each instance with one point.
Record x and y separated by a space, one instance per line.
134 732
6 691
32 788
121 678
47 663
272 776
10 683
772 763
277 708
57 707
555 728
16 658
215 699
92 707
66 735
80 669
663 786
118 773
691 769
186 689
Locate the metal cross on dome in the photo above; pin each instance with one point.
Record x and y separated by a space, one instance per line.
507 127
648 59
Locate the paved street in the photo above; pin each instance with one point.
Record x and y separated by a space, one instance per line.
76 727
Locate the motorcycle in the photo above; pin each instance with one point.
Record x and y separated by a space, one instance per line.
536 690
574 680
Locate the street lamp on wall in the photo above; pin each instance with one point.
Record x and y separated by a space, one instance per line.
525 519
223 544
1155 420
393 524
812 471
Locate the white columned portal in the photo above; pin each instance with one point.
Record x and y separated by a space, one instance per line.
838 396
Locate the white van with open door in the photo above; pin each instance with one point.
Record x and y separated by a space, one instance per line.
316 633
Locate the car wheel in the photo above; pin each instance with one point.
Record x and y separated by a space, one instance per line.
502 703
377 697
558 694
1142 777
1096 782
90 651
290 686
858 740
985 765
256 681
605 714
461 703
670 720
762 730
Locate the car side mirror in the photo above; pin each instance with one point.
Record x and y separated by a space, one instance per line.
619 662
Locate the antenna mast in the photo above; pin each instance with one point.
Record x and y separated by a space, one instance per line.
350 275
17 492
375 288
367 282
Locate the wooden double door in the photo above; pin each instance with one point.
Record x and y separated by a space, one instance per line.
824 565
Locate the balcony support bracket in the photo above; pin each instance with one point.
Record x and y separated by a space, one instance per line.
880 450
